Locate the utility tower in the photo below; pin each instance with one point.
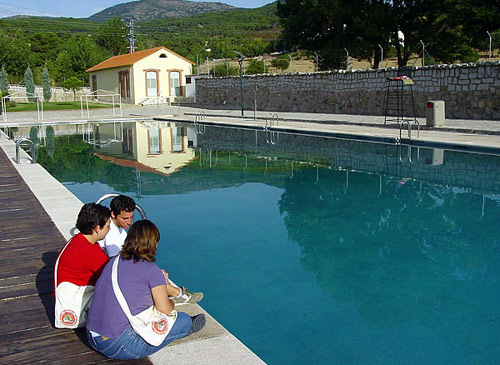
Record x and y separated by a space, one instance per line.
131 37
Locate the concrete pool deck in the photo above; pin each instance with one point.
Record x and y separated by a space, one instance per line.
215 345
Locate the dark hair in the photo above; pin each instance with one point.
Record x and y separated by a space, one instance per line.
122 203
90 216
141 241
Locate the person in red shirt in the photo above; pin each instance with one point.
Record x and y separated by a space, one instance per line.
78 266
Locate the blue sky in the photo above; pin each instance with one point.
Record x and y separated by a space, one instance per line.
85 8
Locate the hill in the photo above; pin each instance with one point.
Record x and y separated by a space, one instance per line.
145 10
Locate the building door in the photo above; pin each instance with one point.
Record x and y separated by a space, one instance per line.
152 83
177 139
175 83
94 85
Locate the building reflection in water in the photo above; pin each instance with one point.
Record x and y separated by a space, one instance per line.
147 146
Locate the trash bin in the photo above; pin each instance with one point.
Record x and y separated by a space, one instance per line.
434 113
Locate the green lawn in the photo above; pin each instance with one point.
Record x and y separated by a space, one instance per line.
58 105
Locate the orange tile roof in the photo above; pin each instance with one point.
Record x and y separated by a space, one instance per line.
130 58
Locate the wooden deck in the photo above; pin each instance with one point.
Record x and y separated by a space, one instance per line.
29 242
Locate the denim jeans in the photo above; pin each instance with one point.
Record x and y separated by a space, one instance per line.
131 346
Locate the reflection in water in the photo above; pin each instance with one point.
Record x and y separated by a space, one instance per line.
372 255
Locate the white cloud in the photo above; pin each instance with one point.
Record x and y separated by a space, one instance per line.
11 10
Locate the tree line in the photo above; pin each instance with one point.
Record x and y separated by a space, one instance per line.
67 47
443 30
448 31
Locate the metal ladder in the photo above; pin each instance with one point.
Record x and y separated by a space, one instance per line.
18 147
399 92
112 195
272 137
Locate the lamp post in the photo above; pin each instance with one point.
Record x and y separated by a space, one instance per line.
489 54
381 55
240 61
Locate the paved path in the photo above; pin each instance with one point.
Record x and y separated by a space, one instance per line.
461 125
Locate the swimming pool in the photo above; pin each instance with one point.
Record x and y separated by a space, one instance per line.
312 249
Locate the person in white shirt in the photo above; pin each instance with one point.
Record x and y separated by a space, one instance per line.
122 217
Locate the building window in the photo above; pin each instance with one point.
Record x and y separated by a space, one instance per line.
124 83
154 141
188 79
152 83
177 139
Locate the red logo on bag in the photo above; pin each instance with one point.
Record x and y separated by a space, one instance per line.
68 317
160 327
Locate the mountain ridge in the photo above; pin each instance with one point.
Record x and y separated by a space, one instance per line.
145 10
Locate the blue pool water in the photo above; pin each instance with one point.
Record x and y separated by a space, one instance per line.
321 251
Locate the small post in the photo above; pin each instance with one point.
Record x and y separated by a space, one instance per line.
381 55
255 102
489 53
316 64
347 59
423 53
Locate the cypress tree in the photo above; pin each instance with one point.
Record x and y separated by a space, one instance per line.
30 85
47 91
4 83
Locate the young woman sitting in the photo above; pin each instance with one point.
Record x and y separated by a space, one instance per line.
143 285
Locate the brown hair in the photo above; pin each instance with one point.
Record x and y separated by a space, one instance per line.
141 241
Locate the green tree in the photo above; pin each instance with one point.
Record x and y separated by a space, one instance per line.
14 54
78 56
448 28
47 90
225 69
280 63
30 85
44 46
255 66
74 84
112 36
4 82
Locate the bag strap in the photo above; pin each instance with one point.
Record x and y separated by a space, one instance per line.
56 266
117 290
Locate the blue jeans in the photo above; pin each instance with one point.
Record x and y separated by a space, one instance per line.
131 346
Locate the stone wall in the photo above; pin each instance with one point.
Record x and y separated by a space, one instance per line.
470 91
18 93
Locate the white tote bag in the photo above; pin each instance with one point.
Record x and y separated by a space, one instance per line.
72 301
151 324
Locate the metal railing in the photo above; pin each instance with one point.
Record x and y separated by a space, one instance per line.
409 123
18 148
272 137
112 195
199 128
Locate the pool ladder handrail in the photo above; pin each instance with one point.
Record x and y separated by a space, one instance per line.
199 128
272 137
409 123
18 147
112 195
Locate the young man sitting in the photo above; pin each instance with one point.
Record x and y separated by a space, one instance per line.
122 216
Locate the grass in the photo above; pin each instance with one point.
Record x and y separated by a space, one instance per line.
57 105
